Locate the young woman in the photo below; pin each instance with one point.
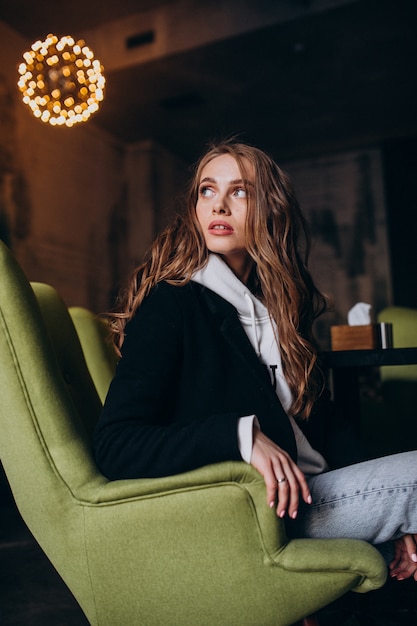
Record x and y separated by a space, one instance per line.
218 362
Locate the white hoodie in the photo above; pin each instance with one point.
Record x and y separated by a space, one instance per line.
254 317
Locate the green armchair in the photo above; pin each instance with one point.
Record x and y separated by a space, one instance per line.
398 391
195 549
98 352
404 333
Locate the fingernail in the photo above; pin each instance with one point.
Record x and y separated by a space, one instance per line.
294 515
309 500
282 514
271 504
414 558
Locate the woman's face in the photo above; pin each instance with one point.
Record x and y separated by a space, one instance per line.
221 211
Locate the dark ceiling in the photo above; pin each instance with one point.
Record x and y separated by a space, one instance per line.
339 79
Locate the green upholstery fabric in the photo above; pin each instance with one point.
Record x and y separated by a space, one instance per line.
397 400
196 549
404 331
99 354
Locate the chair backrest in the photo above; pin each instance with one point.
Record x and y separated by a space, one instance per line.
49 403
404 331
404 322
99 353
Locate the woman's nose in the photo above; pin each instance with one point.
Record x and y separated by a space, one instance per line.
220 206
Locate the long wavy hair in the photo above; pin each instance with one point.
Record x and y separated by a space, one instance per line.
278 243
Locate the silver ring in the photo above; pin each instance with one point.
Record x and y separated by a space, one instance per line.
281 480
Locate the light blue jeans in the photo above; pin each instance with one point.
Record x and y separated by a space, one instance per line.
375 501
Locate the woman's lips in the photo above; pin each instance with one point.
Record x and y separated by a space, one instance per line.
220 228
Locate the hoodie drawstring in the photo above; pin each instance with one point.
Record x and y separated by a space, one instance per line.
253 318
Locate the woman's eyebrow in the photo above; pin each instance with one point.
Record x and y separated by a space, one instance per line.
237 181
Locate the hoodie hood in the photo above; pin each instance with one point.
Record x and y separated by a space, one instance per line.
253 315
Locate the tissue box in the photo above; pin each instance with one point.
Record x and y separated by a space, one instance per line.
363 337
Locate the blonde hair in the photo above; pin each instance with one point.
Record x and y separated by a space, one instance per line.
278 243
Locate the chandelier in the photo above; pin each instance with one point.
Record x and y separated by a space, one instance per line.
60 81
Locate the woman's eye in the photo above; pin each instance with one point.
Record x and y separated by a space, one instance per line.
206 192
240 192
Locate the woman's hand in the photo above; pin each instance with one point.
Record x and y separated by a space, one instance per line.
283 479
404 563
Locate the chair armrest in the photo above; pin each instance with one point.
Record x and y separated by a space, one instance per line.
354 555
227 472
239 478
298 555
248 487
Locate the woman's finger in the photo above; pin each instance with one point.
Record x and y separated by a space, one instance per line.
410 545
271 486
298 483
288 489
403 565
283 492
304 488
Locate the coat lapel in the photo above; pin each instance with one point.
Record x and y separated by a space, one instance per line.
278 429
232 331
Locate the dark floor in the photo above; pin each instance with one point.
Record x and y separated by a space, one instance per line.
32 594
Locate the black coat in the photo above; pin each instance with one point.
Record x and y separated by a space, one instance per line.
188 372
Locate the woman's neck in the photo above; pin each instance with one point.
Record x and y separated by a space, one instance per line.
241 267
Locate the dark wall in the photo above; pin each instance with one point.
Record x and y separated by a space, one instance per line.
400 173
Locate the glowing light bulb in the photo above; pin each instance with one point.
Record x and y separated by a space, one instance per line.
60 81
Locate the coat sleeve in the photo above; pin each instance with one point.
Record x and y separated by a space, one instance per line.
140 433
